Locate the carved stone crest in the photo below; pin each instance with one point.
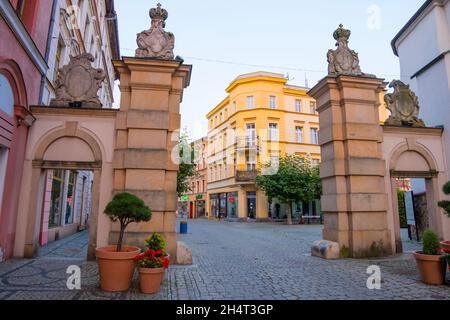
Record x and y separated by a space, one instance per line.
403 105
156 42
343 60
78 83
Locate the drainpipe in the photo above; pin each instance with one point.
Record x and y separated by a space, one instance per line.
47 48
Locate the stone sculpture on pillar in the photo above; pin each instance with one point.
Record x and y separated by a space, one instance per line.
78 83
156 42
343 60
403 105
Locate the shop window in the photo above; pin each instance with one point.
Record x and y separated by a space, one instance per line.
56 199
70 199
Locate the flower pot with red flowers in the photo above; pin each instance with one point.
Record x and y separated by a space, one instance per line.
431 261
151 266
115 263
157 242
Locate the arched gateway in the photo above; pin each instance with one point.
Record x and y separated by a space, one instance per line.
361 159
127 149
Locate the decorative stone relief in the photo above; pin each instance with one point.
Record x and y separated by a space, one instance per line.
156 42
343 60
403 105
78 83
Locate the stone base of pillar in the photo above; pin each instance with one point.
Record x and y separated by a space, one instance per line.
326 250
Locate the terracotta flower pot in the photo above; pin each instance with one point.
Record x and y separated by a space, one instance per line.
150 279
445 245
163 275
116 269
431 268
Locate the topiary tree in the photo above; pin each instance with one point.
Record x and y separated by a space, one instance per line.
127 208
446 204
431 245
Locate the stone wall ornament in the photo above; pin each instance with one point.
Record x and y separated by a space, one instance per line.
156 42
403 105
78 83
343 60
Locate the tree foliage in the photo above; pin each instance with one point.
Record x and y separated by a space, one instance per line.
187 167
127 208
296 180
446 204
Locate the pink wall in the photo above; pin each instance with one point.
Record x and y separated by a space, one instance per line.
25 79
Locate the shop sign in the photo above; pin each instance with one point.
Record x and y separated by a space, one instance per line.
199 196
185 198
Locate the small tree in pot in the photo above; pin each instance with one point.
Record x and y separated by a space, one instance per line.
430 261
116 264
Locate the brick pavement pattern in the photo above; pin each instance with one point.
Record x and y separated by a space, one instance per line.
231 261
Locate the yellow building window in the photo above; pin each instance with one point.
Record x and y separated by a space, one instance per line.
250 102
298 105
272 102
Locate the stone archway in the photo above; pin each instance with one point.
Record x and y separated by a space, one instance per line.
68 148
411 159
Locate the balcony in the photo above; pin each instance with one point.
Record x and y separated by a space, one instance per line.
246 175
247 144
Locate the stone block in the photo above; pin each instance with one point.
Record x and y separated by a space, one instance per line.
137 179
144 159
145 99
147 139
161 79
326 250
119 180
148 119
122 139
362 149
170 221
184 254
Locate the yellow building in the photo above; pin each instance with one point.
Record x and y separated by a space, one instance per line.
261 119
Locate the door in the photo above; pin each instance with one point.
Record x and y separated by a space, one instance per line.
251 205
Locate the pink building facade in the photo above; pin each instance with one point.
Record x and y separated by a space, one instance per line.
24 28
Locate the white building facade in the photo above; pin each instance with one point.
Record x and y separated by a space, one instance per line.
423 47
83 26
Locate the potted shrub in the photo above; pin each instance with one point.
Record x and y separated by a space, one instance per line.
431 261
157 243
151 265
446 206
115 263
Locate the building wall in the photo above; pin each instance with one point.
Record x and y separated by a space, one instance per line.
81 27
199 183
428 33
22 50
274 102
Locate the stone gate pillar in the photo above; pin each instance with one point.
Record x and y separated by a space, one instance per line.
147 130
354 198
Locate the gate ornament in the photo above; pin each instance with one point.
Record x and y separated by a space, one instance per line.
403 105
78 82
156 42
343 60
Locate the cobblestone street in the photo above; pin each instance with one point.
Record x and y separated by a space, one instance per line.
231 261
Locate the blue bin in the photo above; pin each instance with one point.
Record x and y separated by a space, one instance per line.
183 228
